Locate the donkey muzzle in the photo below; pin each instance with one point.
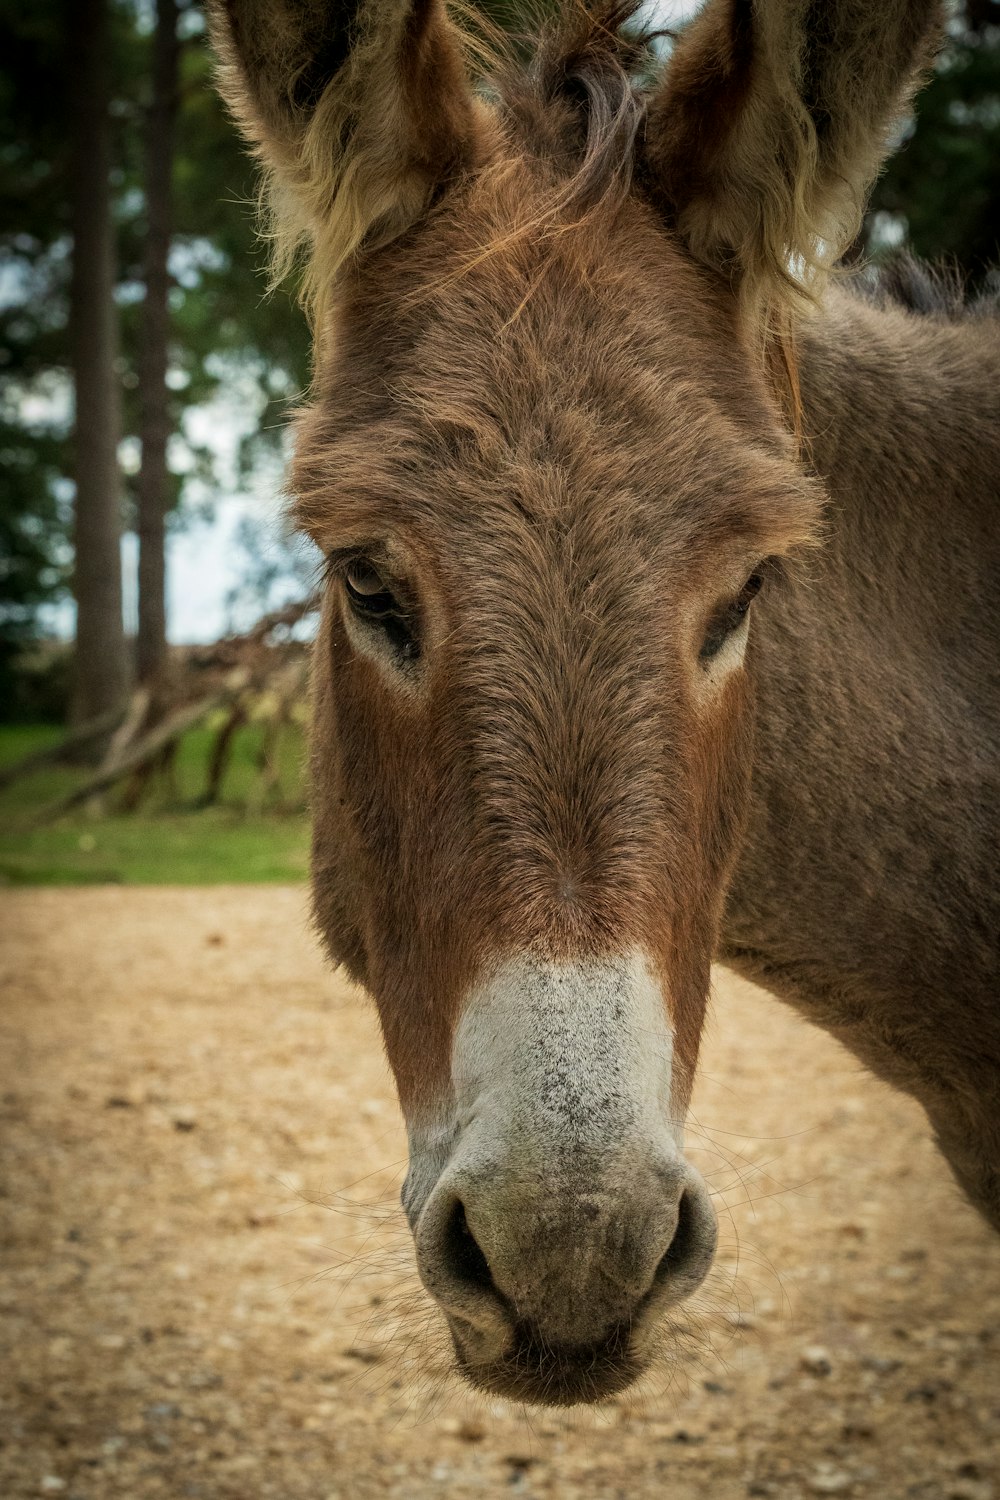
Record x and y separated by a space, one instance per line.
564 1218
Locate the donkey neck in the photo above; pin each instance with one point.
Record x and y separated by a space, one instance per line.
866 891
902 420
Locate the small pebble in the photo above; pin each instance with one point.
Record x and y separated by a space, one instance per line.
466 1428
830 1482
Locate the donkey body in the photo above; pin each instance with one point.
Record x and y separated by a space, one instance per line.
573 412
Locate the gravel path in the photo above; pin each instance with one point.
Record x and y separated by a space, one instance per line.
206 1289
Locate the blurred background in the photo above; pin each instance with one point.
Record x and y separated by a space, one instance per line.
154 612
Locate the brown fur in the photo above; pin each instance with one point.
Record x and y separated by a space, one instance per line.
867 891
555 743
541 410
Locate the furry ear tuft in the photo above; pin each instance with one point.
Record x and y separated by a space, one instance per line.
770 125
359 111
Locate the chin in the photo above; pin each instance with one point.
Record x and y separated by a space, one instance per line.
541 1374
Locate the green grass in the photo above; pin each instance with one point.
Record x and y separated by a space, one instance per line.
169 840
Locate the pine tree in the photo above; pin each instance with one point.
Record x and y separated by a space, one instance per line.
155 414
101 666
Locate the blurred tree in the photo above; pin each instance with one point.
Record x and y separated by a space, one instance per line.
34 280
154 349
940 194
219 331
34 554
101 664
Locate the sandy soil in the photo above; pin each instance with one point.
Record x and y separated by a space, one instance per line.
206 1289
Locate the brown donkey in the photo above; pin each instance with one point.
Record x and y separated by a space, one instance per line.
580 398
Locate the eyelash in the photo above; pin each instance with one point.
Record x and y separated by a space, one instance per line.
726 621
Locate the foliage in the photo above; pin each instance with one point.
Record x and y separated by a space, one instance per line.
33 235
943 187
34 554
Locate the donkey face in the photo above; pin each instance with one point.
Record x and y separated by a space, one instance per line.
531 754
548 470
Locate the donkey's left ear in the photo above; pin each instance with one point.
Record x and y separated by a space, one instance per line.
771 121
359 110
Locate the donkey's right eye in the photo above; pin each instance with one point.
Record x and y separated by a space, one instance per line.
371 599
367 590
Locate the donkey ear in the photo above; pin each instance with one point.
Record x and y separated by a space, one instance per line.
359 109
771 122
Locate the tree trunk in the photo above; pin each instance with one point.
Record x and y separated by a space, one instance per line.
101 660
154 397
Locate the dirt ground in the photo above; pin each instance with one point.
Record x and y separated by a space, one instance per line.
206 1288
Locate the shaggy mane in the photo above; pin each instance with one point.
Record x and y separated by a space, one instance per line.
757 143
931 291
572 91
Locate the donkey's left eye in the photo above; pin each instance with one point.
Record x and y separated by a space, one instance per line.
749 592
728 619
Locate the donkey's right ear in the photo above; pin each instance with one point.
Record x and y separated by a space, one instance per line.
359 110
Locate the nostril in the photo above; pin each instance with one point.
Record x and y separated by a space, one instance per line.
464 1257
684 1243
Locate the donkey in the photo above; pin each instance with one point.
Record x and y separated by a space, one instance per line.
660 619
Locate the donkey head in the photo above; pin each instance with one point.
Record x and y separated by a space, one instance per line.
548 463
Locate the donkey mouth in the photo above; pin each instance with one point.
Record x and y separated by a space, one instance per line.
534 1370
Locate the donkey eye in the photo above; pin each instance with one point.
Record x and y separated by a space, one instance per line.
729 618
366 589
373 601
749 592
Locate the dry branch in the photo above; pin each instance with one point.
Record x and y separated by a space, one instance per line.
220 751
130 728
151 744
195 681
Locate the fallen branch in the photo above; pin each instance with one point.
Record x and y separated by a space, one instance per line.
157 739
129 729
234 647
220 753
289 614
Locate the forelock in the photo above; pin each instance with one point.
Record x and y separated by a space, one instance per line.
571 98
